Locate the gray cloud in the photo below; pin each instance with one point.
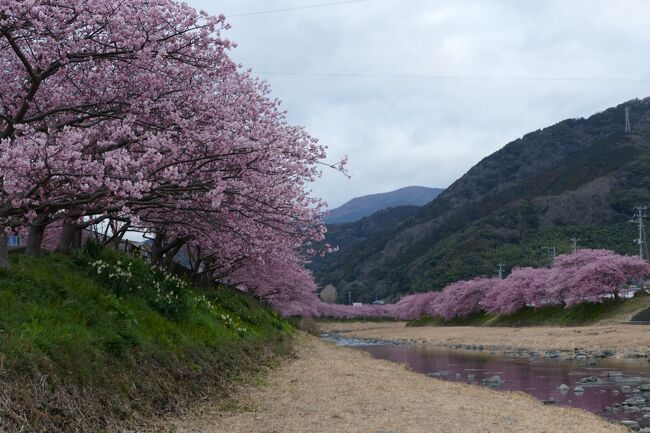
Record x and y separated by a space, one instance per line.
426 131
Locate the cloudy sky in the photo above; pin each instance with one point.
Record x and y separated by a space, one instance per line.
416 92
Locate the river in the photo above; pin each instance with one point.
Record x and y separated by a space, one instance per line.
612 388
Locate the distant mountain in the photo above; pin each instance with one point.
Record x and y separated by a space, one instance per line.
367 205
347 236
580 177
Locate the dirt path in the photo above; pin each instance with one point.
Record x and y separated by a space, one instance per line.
622 339
329 389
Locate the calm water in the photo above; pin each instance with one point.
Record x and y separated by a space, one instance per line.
607 385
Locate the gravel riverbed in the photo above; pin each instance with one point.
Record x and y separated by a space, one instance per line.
615 340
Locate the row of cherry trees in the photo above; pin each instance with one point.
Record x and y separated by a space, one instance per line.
584 276
132 115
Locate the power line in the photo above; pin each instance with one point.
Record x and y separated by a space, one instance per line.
454 77
499 270
295 8
640 214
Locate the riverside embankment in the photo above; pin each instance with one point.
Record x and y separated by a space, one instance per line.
98 341
330 389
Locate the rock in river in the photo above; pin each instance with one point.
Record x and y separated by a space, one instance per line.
630 423
492 381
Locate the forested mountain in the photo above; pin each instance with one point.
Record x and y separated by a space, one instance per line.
367 205
346 236
580 177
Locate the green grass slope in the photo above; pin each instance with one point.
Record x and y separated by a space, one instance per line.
88 342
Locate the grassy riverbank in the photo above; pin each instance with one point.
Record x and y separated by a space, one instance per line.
88 342
557 315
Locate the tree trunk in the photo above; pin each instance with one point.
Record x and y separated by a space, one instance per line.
171 253
4 250
118 235
68 232
205 280
36 233
156 249
196 268
77 238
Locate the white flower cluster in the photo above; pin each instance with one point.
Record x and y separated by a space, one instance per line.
226 318
163 294
169 278
166 297
232 323
167 286
203 300
100 265
116 271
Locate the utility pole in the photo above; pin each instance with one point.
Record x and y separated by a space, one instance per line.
640 214
574 244
349 297
500 270
628 128
550 252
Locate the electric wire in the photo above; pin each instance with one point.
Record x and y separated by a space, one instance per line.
295 8
452 77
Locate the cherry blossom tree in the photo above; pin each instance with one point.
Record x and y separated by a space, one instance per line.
594 275
415 306
131 114
523 287
463 298
93 92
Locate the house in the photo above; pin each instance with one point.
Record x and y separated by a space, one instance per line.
14 242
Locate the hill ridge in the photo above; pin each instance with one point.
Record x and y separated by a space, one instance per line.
366 205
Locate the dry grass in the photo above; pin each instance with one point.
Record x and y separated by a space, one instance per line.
330 389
